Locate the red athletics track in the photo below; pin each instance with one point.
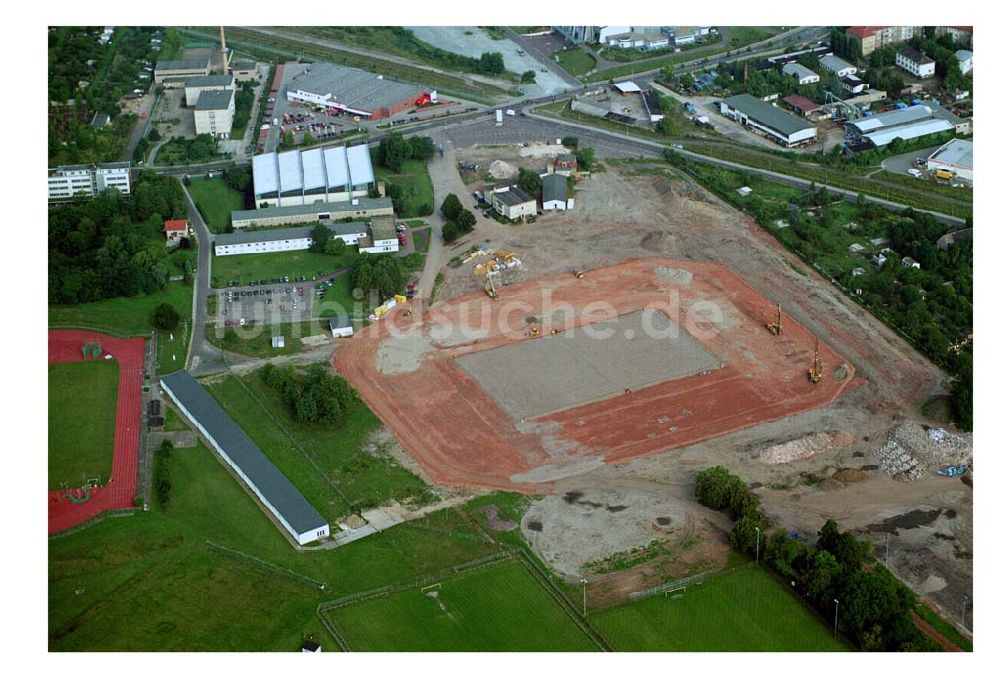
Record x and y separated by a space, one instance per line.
119 492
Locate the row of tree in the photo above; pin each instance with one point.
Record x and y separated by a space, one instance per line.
314 395
111 246
838 578
394 150
378 274
459 220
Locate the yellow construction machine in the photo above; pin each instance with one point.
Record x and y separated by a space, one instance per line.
816 370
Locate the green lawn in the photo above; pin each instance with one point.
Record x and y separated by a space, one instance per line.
172 422
338 299
148 583
421 239
215 200
131 315
246 267
328 464
497 608
575 61
256 340
741 36
415 182
742 610
83 397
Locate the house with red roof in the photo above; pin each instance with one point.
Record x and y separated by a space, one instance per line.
175 229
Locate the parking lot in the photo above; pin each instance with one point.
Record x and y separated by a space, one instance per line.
270 303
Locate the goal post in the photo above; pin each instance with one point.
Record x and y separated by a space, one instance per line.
427 588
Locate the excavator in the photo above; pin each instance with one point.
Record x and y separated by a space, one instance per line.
816 370
775 327
578 274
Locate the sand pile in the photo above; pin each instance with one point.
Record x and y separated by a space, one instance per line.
502 170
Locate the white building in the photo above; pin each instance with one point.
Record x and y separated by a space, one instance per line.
513 202
837 66
954 156
905 124
70 181
182 68
203 83
214 112
341 327
554 193
767 120
915 63
853 84
800 73
296 177
272 489
964 57
284 239
317 212
382 237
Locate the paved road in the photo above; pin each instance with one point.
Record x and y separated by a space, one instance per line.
533 49
202 282
141 126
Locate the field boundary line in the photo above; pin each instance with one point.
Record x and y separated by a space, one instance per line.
99 517
99 328
264 565
564 601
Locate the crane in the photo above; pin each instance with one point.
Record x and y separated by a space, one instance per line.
775 327
816 371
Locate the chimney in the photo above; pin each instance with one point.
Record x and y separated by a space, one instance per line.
222 39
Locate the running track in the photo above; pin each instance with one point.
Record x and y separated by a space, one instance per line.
65 346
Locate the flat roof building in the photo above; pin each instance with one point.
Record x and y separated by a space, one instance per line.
284 239
382 237
244 71
272 489
213 114
357 208
768 120
180 68
874 37
297 177
954 156
202 83
355 91
85 181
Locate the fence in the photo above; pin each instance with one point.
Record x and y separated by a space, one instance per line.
114 512
667 587
265 566
100 329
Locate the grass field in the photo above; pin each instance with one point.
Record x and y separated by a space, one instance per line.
500 607
132 315
83 397
256 341
576 61
415 181
172 421
147 582
328 464
215 200
742 610
421 239
338 298
246 267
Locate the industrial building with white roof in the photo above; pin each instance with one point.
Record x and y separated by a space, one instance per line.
954 156
295 178
355 91
905 124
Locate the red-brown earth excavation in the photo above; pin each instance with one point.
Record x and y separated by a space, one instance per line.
462 436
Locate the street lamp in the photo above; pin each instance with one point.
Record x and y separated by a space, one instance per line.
584 581
836 614
757 529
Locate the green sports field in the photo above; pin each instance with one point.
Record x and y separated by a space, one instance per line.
500 607
742 610
83 398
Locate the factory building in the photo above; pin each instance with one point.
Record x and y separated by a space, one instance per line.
768 120
905 124
73 181
270 487
295 178
244 71
355 91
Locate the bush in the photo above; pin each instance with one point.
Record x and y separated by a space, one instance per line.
318 396
451 207
165 317
449 232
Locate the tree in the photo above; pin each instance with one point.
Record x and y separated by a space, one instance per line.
393 151
529 181
466 221
165 317
585 159
687 81
667 72
154 135
712 487
782 552
307 139
820 571
319 234
449 231
491 63
745 534
571 142
336 247
422 148
451 207
528 77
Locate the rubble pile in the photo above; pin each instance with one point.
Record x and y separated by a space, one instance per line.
897 462
803 447
927 449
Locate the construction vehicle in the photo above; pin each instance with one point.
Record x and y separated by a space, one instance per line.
578 274
775 327
816 370
944 175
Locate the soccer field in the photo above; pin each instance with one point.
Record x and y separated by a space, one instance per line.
83 400
743 610
497 608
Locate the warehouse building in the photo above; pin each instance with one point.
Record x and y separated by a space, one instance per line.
318 212
181 68
768 120
513 202
296 177
214 112
74 181
355 91
803 75
284 239
915 63
271 488
803 106
555 193
905 124
837 66
203 83
954 156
